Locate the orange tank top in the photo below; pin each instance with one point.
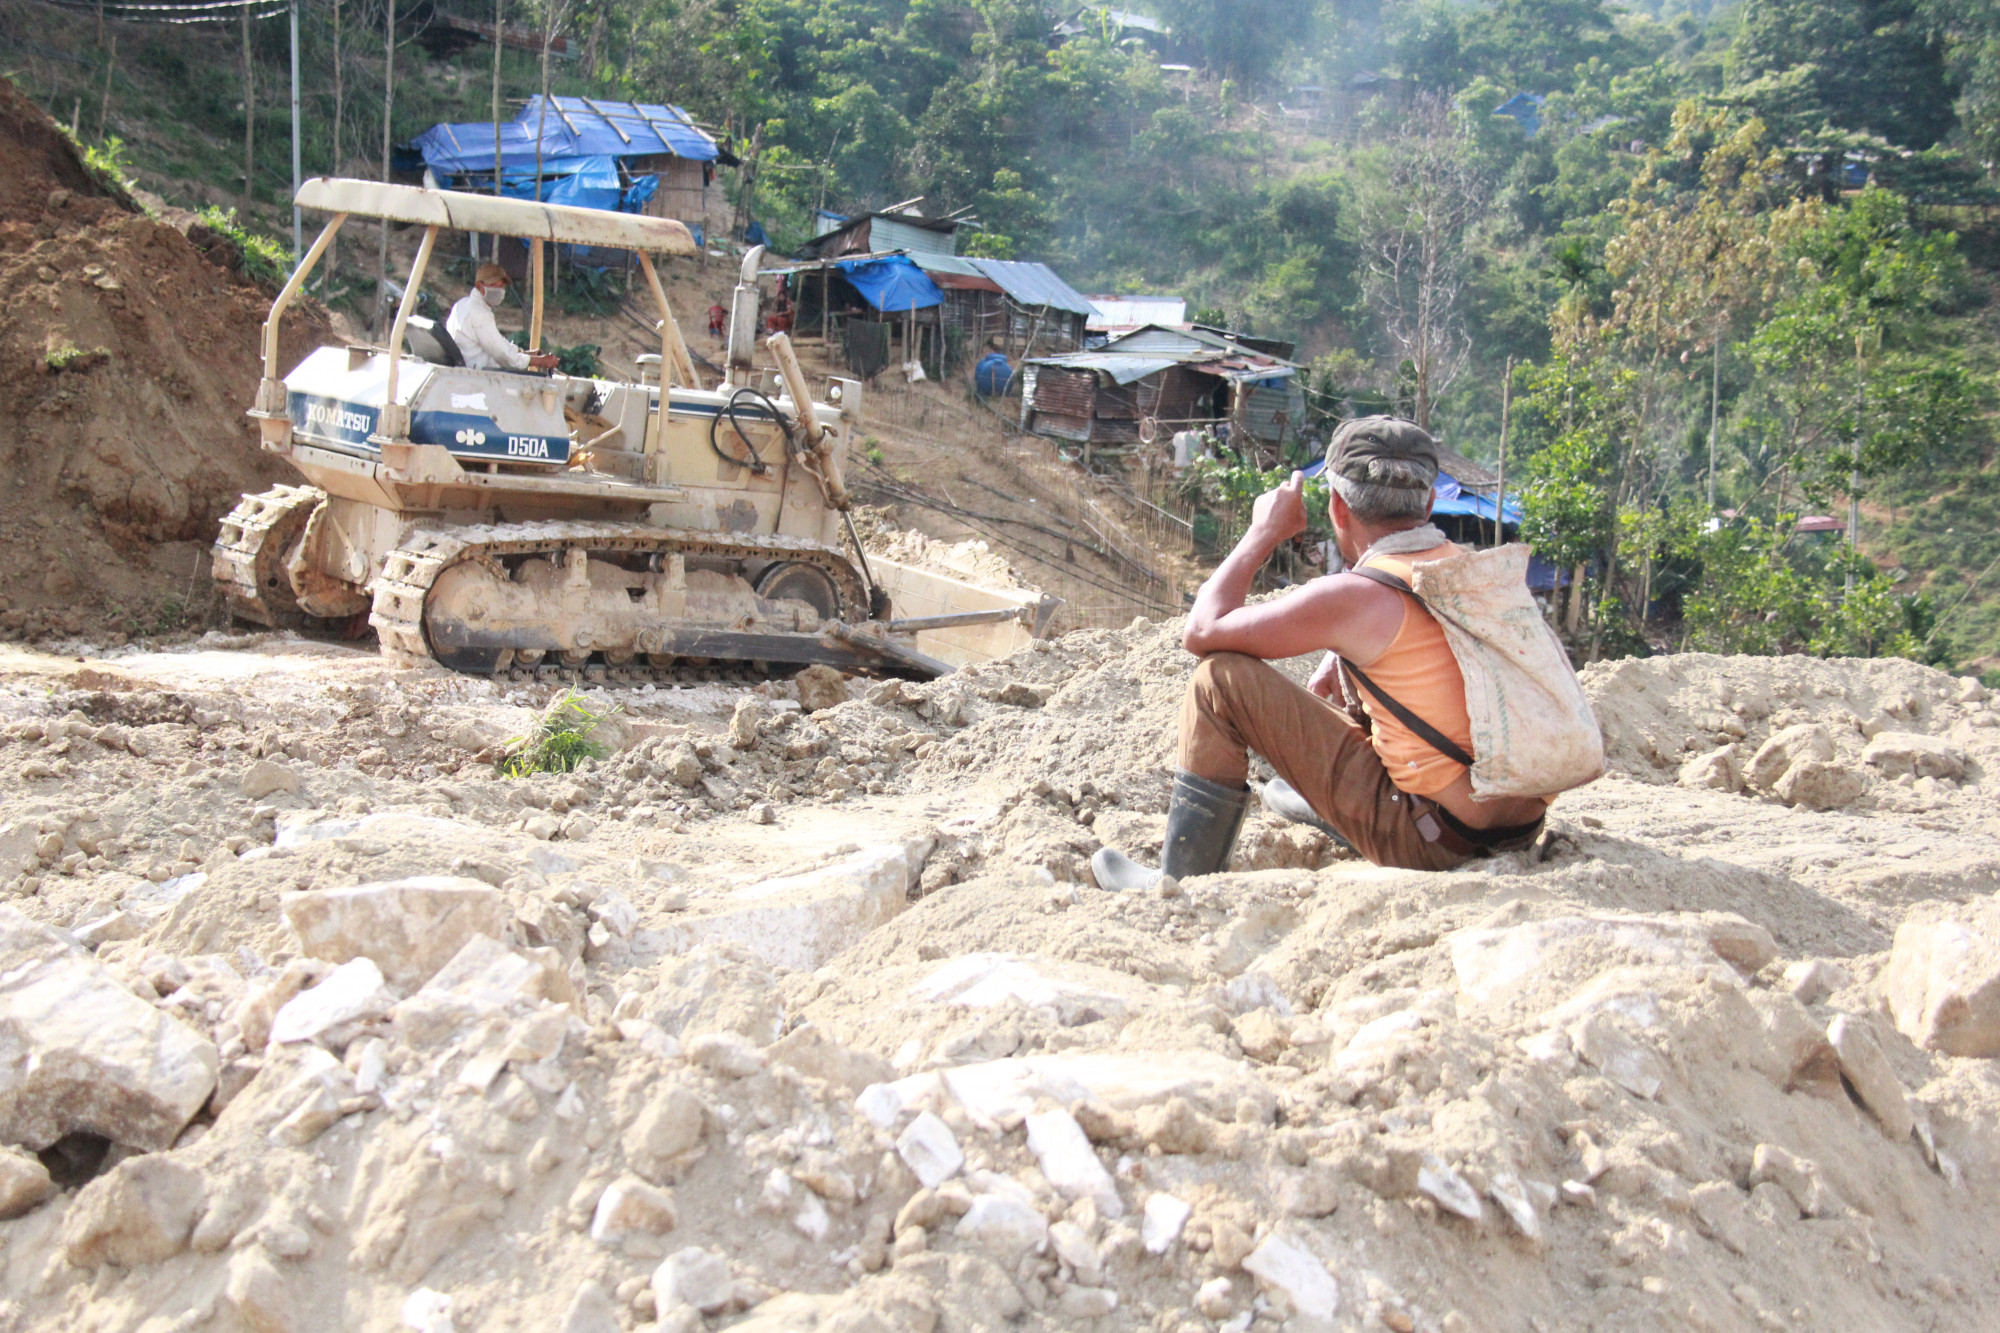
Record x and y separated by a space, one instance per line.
1419 671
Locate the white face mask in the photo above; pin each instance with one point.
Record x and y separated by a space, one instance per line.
493 295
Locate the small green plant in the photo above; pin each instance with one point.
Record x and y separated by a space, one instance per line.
560 743
170 616
71 357
106 161
873 455
265 261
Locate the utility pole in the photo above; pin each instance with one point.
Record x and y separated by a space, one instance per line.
1714 416
298 224
1854 468
1500 493
249 117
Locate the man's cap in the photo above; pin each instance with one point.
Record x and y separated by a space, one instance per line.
1362 445
491 275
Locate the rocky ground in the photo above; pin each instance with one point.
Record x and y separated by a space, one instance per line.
796 1013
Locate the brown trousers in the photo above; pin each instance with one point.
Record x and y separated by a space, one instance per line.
1236 704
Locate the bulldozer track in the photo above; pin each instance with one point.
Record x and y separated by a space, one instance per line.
249 553
407 577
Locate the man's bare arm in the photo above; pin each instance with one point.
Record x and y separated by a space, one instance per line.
1352 616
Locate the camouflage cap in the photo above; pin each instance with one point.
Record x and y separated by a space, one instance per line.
1365 442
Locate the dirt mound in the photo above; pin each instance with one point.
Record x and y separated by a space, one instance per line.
126 362
777 1020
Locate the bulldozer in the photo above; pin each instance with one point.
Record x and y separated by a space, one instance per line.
508 523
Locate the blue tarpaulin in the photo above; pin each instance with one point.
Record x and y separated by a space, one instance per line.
1448 497
893 284
569 128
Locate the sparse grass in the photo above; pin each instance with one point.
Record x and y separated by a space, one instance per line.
265 261
560 743
71 357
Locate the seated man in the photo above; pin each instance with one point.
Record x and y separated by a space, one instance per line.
1394 796
480 342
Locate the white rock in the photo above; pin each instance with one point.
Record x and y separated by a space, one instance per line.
812 1220
1161 1220
262 1299
353 991
1213 1298
1506 1189
80 1053
1074 1247
591 1310
1086 1303
1288 1271
1819 786
427 1311
1601 1042
615 913
1798 1177
1814 979
802 920
694 1277
1449 1189
1007 1227
1806 742
1496 965
725 1055
265 777
1862 1061
140 1212
1914 753
630 1207
410 928
929 1148
1943 979
1070 1163
24 1183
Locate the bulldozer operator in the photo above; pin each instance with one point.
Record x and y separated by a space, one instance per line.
471 325
1394 792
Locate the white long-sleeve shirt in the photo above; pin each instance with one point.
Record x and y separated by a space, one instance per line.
479 339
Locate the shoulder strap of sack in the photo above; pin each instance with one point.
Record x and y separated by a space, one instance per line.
1431 736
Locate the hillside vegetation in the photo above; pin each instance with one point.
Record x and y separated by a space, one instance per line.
1754 232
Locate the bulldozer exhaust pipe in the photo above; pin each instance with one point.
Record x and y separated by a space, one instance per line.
743 320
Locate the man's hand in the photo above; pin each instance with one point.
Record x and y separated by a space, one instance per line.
1325 679
541 361
1280 515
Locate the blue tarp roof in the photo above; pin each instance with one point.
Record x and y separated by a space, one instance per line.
1448 497
571 127
891 284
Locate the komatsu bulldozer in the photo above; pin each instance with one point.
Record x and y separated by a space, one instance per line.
501 522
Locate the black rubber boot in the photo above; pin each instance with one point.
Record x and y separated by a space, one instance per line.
1282 799
1201 829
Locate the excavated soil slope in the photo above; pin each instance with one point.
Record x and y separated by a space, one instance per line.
783 1020
127 358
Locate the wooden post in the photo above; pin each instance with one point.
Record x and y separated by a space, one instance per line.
339 108
1500 493
249 115
110 64
826 308
493 242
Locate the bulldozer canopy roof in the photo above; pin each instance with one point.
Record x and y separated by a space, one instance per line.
501 217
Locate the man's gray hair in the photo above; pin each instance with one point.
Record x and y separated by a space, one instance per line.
1394 490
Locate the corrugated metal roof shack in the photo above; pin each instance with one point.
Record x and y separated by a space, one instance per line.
1022 304
1175 379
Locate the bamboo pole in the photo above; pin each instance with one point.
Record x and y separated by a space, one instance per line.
104 106
388 141
673 350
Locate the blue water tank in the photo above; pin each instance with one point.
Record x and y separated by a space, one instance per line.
992 375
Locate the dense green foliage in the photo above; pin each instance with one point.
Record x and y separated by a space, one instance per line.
1683 233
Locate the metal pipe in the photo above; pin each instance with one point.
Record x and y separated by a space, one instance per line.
673 349
403 309
535 281
995 617
291 290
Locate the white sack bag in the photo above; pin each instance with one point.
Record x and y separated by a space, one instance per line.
1533 731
